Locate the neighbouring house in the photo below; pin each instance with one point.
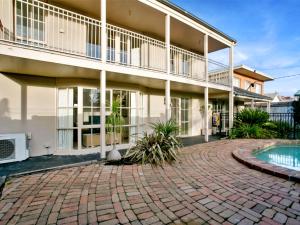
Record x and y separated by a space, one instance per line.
249 88
280 104
64 62
297 96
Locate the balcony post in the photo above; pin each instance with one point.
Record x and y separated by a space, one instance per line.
167 40
103 79
206 119
205 54
103 31
168 99
168 67
206 115
231 93
268 107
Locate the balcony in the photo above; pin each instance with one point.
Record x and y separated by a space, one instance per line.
42 26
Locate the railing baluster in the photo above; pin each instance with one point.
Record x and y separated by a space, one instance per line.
135 49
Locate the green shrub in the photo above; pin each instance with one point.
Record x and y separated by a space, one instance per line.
156 148
251 131
252 117
166 128
282 129
253 123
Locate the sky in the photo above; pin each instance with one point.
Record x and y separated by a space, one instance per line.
267 34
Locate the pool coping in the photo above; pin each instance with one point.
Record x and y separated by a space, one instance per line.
246 157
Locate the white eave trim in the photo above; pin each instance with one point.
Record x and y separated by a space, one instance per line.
166 10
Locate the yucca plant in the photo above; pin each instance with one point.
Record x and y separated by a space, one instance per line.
113 123
252 123
252 117
167 128
157 148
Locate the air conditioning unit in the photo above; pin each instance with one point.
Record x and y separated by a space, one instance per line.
13 148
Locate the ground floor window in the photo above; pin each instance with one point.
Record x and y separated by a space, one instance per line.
67 118
79 117
181 113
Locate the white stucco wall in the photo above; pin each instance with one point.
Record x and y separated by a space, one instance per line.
27 105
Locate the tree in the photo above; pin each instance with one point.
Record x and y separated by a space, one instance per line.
296 110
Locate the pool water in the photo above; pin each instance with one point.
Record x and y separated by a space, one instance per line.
286 156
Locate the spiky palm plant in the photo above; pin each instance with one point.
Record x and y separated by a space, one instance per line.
157 148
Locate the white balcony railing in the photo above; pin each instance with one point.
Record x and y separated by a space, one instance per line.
187 64
41 25
133 49
218 73
36 24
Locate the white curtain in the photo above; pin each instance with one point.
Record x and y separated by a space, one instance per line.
65 118
133 117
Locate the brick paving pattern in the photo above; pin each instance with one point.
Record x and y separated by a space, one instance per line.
207 186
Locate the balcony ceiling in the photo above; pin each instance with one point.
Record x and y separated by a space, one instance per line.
136 16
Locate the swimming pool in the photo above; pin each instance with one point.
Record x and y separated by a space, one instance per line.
287 156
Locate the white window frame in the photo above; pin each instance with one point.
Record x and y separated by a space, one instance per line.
32 20
237 82
260 88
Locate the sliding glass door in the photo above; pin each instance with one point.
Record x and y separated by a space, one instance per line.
79 117
67 118
181 114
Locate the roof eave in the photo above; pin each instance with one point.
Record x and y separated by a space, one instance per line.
196 19
268 78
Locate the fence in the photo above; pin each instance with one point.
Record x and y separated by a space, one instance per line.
284 122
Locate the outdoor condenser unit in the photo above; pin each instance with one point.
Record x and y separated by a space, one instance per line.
13 148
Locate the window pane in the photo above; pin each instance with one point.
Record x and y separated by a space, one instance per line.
87 97
67 139
107 101
125 98
133 116
96 116
258 88
116 95
65 118
90 137
125 115
125 135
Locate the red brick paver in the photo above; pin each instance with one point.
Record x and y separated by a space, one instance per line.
207 186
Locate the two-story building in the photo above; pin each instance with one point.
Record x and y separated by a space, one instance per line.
249 88
63 63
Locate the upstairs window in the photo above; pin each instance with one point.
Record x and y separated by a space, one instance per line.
236 82
30 21
258 88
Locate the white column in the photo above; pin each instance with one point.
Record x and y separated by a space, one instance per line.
206 115
167 40
231 93
205 54
103 78
103 112
268 107
103 31
168 99
168 67
206 119
252 104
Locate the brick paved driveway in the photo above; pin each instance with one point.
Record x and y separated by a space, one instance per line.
207 186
